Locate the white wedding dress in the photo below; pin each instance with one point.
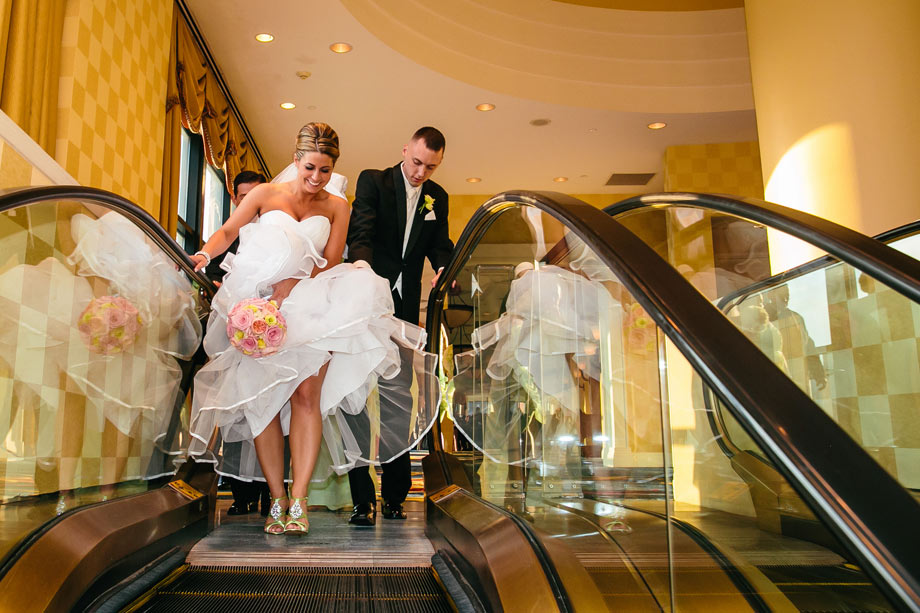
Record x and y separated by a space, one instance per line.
343 316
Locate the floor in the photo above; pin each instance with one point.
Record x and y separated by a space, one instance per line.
332 541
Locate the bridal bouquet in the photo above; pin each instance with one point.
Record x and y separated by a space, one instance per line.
109 325
256 327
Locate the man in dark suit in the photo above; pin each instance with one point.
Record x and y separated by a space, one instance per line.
398 218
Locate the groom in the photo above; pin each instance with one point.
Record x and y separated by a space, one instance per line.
398 218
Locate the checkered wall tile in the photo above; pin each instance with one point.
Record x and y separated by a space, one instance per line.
872 366
111 106
721 168
16 171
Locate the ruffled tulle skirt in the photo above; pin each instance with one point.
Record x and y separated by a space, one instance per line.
379 395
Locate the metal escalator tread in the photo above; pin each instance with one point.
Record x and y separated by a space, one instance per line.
826 589
241 589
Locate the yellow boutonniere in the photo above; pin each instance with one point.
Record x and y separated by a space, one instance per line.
427 204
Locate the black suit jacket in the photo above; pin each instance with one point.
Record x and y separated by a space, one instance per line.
378 226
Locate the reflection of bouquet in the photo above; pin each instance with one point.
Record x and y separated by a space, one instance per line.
109 325
640 330
256 327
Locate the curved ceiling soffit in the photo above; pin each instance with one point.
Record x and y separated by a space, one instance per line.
660 5
633 61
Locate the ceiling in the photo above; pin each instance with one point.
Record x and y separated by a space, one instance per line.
599 75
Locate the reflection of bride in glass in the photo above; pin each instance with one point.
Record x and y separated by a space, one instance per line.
92 343
342 341
531 359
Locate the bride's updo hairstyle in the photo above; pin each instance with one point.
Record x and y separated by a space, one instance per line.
317 137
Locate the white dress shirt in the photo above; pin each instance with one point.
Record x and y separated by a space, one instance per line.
412 196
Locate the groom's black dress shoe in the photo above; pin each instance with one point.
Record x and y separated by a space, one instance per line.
242 509
393 510
365 514
265 502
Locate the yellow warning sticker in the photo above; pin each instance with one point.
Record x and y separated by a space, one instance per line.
444 493
185 489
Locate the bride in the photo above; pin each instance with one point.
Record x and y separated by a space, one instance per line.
342 338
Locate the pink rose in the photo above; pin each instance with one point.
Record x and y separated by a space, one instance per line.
241 318
132 325
248 344
259 326
275 336
115 316
96 325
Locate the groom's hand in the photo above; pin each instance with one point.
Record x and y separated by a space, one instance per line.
437 276
282 290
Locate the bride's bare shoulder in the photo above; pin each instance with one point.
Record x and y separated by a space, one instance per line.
269 195
338 205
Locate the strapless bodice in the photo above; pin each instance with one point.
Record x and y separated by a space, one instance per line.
315 228
276 247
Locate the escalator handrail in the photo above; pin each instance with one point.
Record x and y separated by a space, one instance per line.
144 220
887 237
822 462
886 264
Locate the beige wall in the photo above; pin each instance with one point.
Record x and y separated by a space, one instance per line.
835 87
111 105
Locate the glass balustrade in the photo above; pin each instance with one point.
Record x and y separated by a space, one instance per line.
568 406
97 330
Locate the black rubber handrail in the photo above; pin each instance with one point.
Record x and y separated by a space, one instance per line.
887 237
33 195
886 264
821 461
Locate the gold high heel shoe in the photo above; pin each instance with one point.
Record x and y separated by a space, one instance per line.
275 524
297 518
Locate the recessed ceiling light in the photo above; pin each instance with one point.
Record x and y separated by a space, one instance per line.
265 37
473 180
303 74
485 106
287 106
340 47
657 125
560 179
592 130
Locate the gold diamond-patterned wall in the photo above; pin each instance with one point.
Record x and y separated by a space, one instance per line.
720 168
16 171
111 105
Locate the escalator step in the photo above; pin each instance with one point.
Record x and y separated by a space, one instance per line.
242 589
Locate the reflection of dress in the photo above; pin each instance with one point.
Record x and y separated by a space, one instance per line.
71 390
343 316
549 331
112 248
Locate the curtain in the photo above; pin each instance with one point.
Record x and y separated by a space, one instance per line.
195 100
30 61
172 144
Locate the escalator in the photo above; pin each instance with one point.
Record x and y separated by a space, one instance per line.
614 441
102 318
673 451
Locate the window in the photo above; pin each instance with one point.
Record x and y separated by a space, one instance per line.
204 203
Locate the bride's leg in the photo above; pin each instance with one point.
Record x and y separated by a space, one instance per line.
270 450
306 431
